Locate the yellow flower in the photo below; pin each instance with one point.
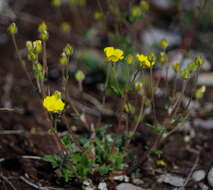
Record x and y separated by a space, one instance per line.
54 103
113 55
144 61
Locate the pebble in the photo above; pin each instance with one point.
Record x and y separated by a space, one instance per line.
127 186
198 175
205 79
203 186
172 180
137 181
210 177
88 185
121 178
102 186
205 124
163 4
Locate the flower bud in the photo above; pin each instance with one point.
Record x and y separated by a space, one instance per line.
37 45
176 67
163 44
64 59
79 76
199 93
192 67
12 29
32 56
151 57
136 11
68 50
38 70
98 15
42 27
65 27
29 46
185 74
56 3
199 60
163 57
138 86
144 5
44 35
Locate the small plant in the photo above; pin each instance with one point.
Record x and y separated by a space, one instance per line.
100 155
100 152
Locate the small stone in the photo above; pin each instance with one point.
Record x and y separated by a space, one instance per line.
88 185
205 124
89 188
210 177
127 186
172 180
102 186
137 181
205 79
203 186
198 175
162 4
121 178
126 178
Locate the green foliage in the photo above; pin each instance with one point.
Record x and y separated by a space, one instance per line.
102 154
157 128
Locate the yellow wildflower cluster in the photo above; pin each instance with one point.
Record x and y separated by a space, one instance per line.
113 55
54 103
144 61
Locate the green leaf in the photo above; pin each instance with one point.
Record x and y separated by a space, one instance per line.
104 169
53 159
117 91
66 140
66 173
157 128
76 158
157 152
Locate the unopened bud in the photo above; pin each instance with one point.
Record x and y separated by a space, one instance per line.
68 50
79 76
12 29
29 46
37 45
64 59
163 43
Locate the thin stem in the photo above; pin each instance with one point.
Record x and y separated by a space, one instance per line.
139 117
179 99
100 6
152 96
106 84
21 60
55 135
115 76
44 58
